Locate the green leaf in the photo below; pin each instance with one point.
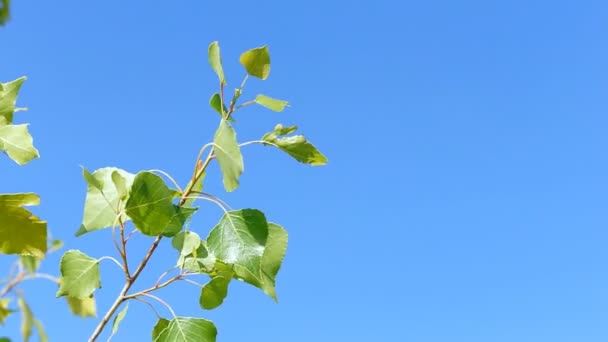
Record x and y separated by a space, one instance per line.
103 200
150 206
21 232
257 62
30 263
79 275
228 155
296 146
239 239
4 339
18 143
270 103
4 16
198 261
216 104
118 318
184 329
214 292
4 309
83 307
215 59
8 94
160 325
40 330
272 259
120 182
56 245
186 242
27 319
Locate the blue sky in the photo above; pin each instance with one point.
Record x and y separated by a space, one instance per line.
465 198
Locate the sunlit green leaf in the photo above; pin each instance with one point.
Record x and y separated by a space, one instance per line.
215 59
228 155
118 318
8 93
160 325
186 242
296 145
274 252
186 329
79 275
30 262
83 307
215 291
257 62
239 239
18 143
4 309
270 103
20 231
150 206
27 319
199 260
42 337
103 200
120 182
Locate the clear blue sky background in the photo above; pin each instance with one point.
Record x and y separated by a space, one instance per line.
466 194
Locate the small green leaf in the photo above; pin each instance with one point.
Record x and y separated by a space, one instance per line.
18 143
20 231
8 95
257 62
79 275
103 201
228 155
120 182
118 318
4 309
186 242
296 145
27 319
30 263
216 104
270 103
56 245
83 307
160 325
150 206
197 187
239 239
215 59
40 330
198 261
186 329
215 291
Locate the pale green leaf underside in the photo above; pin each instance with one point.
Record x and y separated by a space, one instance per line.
27 319
8 98
83 307
118 318
17 142
79 275
103 200
296 146
186 329
271 103
215 59
228 155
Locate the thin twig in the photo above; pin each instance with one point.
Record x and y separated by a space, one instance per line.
113 259
162 302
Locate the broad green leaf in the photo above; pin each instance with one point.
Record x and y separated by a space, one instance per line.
40 330
4 309
186 242
30 263
257 62
18 143
239 239
228 155
118 318
20 231
185 329
215 59
270 103
83 307
160 325
276 246
214 292
8 93
198 261
27 319
79 275
150 206
103 200
296 145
